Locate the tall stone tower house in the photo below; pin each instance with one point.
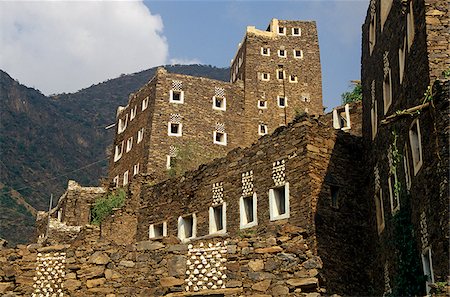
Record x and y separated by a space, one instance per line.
275 75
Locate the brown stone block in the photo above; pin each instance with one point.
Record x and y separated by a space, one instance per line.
262 285
269 250
170 282
95 282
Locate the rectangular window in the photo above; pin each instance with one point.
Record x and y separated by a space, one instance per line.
393 195
341 118
157 230
282 53
410 25
171 162
219 103
296 32
220 138
282 101
174 129
118 152
387 92
427 265
133 113
402 59
334 193
217 219
279 203
136 169
262 104
125 178
187 227
144 103
416 145
374 119
406 168
379 209
248 211
281 30
385 8
176 96
140 135
293 78
116 181
265 51
280 74
298 54
265 76
122 124
372 33
129 144
262 129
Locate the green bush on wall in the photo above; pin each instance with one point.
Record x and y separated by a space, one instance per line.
104 205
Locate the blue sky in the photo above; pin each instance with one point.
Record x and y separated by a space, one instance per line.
64 46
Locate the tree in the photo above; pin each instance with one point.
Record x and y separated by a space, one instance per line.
353 96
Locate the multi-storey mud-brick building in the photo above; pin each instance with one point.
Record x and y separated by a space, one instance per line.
405 50
274 76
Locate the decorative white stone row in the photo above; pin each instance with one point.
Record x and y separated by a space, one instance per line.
247 183
206 267
278 173
423 230
177 85
376 173
387 281
217 190
220 127
175 118
50 273
219 92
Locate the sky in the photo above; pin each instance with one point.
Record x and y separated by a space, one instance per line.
64 46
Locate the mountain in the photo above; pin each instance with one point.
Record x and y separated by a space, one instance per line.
44 141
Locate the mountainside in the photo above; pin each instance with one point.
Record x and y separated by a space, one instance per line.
44 141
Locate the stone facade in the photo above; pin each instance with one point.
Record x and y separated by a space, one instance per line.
405 129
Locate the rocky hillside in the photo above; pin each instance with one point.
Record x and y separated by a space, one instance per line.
44 141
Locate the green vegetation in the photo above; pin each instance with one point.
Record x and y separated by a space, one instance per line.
354 95
446 73
104 206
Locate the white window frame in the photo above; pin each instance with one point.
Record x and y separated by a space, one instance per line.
145 103
295 54
407 168
374 119
122 124
273 210
417 157
426 254
243 222
392 195
129 144
171 100
125 178
284 51
410 28
385 9
283 29
372 33
136 169
265 79
168 161
285 101
179 132
387 90
223 106
264 106
278 74
268 51
140 135
337 118
116 181
181 233
224 142
212 219
260 132
133 113
151 230
296 34
402 60
295 80
117 154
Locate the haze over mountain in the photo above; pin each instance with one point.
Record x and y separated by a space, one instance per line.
44 141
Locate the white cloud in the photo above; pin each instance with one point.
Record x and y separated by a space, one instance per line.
63 46
182 61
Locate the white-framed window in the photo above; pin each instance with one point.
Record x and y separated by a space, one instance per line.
145 103
293 78
282 53
402 60
393 196
218 219
219 103
387 91
116 181
262 129
427 265
135 169
157 230
262 104
296 31
125 178
298 54
240 61
341 118
279 202
385 8
265 76
406 168
265 51
280 74
410 30
140 135
379 209
281 31
415 143
282 101
118 152
175 129
220 138
129 144
133 113
122 124
248 211
305 97
176 96
372 33
187 227
171 162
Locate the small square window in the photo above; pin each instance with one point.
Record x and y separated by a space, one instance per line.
265 51
140 135
265 76
296 32
281 30
187 227
176 96
175 129
116 181
282 101
282 53
280 74
298 54
129 144
157 230
125 178
341 118
144 103
416 145
133 113
262 129
219 103
220 138
279 203
293 78
136 169
217 219
262 104
248 211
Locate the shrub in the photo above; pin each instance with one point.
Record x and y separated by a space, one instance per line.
104 205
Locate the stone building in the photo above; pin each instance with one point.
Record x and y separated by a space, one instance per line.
405 51
275 75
